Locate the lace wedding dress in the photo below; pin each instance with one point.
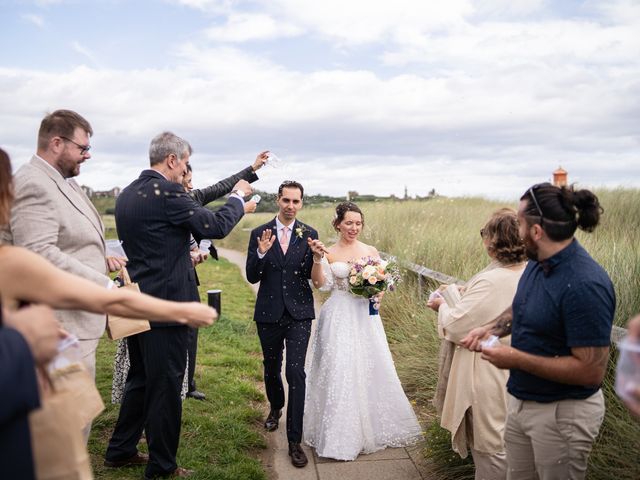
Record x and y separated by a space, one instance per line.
354 402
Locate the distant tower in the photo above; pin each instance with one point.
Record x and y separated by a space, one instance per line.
406 193
560 177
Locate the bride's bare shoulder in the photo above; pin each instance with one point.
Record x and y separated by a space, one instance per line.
371 250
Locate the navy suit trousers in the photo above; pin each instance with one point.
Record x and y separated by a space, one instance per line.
273 338
152 398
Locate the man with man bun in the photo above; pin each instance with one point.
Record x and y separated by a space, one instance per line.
560 325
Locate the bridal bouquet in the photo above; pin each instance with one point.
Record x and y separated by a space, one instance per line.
370 276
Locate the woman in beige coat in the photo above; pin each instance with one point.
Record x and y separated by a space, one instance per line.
474 404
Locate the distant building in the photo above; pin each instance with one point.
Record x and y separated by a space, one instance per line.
91 193
560 177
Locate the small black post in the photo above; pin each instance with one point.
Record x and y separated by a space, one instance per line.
214 299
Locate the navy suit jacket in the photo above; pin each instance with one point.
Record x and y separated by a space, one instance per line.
284 279
19 389
154 220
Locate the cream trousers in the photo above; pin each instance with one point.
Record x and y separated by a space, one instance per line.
551 441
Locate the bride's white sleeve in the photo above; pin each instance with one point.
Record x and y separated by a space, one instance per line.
327 286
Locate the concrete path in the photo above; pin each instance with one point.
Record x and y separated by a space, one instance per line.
389 464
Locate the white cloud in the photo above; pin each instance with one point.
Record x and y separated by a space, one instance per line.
362 21
508 8
213 6
36 20
465 106
244 27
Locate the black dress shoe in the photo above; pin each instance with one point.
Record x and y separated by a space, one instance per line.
298 457
272 421
196 394
138 459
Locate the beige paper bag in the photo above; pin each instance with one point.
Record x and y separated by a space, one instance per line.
57 440
120 327
75 378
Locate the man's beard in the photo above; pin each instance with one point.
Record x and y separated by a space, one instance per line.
530 248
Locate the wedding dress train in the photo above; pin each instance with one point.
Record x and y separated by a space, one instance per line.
355 402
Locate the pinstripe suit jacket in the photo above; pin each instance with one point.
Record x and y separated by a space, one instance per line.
154 218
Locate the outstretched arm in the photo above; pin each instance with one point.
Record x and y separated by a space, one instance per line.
28 277
223 187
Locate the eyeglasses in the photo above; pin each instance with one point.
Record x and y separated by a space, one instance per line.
84 149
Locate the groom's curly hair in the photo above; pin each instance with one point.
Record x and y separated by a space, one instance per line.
341 211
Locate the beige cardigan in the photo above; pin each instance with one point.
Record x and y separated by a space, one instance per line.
473 382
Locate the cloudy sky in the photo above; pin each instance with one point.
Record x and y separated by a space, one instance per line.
470 97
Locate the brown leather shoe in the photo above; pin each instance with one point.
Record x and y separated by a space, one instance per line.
177 473
298 457
272 421
138 459
181 473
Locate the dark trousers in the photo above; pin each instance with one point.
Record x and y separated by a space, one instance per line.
152 399
273 338
192 350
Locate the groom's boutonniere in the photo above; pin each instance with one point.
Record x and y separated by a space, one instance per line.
300 231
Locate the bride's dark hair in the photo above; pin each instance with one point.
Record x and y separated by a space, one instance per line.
341 211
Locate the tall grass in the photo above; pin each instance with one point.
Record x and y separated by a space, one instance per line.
443 234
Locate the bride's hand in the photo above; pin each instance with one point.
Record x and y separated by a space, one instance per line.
377 298
317 247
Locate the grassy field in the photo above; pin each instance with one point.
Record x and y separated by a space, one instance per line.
221 437
442 234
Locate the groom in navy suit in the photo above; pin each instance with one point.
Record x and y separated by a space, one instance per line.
280 259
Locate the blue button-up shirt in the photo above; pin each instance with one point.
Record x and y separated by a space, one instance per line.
562 302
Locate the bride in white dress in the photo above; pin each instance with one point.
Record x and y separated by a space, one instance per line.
354 402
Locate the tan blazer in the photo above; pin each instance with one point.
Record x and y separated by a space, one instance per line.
53 217
473 381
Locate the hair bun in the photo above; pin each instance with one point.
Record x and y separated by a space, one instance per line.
588 208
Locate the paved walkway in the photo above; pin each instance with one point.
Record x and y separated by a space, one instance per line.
389 464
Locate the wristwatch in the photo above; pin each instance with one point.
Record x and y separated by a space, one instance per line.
239 191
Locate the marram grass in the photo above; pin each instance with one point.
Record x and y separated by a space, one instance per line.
443 234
